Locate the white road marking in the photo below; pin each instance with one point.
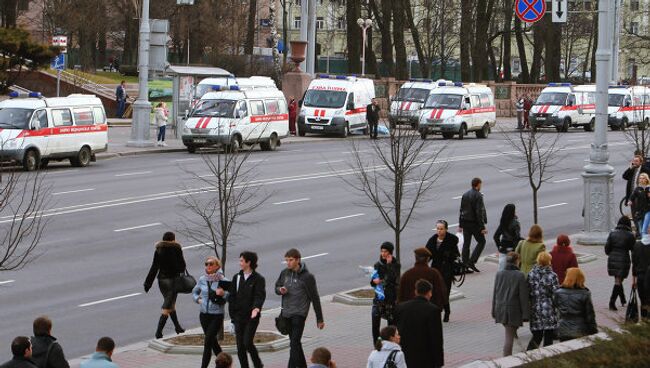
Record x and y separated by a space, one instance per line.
6 282
359 151
108 300
329 162
552 205
138 227
133 173
314 256
457 197
207 176
575 140
74 191
507 170
416 182
344 217
255 161
565 180
195 246
185 159
293 201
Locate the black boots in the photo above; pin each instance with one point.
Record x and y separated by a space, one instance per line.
621 294
177 326
161 325
446 316
617 292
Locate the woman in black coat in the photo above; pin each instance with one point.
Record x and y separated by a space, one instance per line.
575 308
508 234
168 263
444 251
620 243
641 275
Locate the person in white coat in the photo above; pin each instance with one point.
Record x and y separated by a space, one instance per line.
387 348
160 120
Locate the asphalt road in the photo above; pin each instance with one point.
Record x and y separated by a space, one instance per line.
106 218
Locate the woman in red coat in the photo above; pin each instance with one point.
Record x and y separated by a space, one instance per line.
293 113
563 257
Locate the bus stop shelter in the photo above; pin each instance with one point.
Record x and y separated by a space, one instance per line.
184 81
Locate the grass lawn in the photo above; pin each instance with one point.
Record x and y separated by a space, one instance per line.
100 77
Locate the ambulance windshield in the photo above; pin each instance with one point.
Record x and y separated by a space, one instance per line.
616 100
412 94
217 108
440 101
551 98
15 118
324 98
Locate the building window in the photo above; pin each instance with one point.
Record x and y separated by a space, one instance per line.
296 22
320 23
634 27
340 23
634 5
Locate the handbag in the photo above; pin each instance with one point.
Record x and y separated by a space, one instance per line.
184 283
632 311
282 324
390 360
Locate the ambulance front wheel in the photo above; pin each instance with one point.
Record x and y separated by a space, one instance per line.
82 159
590 127
346 130
191 149
271 144
31 160
462 132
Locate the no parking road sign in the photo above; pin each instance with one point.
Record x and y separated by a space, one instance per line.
530 11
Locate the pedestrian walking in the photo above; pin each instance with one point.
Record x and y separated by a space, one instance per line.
293 114
641 275
422 270
631 174
372 116
575 309
322 358
510 300
618 247
528 104
120 98
160 121
224 360
519 106
210 293
419 321
563 257
542 282
387 349
102 356
387 272
508 234
46 350
297 286
247 296
444 252
168 262
529 248
639 203
472 221
21 349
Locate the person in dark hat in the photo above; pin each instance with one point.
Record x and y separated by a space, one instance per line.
385 280
421 270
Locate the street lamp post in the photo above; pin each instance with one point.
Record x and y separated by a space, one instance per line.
364 24
142 107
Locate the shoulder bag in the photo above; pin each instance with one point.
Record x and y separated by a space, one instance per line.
632 312
184 283
390 361
283 324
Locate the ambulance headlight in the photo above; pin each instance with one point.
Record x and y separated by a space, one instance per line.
449 120
554 114
303 112
186 130
338 112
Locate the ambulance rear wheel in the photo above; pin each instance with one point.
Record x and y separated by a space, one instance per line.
483 133
590 127
271 144
623 124
82 159
423 134
30 160
346 131
462 132
191 149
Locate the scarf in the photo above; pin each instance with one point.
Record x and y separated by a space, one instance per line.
214 277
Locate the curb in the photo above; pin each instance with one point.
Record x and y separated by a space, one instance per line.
104 156
164 347
347 299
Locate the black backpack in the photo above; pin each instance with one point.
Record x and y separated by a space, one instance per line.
390 361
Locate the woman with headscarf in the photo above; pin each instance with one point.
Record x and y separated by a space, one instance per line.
563 257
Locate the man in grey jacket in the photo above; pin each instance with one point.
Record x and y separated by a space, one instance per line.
472 222
297 286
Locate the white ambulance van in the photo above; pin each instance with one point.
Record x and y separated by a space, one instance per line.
335 104
406 104
36 130
457 109
232 117
628 105
208 84
561 106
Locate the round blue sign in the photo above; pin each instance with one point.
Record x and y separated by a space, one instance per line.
530 10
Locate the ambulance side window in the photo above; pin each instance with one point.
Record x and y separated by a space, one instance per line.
485 100
83 116
61 117
272 106
627 102
98 113
476 102
257 107
242 110
571 100
39 120
350 104
283 106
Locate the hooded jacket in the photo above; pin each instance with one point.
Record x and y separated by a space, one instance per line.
159 117
168 262
620 243
56 359
377 359
301 290
563 259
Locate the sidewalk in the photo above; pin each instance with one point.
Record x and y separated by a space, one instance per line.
470 335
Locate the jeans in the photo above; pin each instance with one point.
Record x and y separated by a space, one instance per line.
245 333
646 222
210 323
296 354
535 342
161 133
520 118
120 108
376 323
472 230
502 261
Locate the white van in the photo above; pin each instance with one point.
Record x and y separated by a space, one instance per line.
209 84
335 104
455 108
36 130
628 106
560 105
233 117
406 104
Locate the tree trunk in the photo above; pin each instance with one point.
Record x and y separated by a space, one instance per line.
524 76
354 36
9 10
371 58
465 39
553 41
538 48
535 205
425 63
86 44
386 41
480 64
401 67
285 31
130 54
493 63
442 57
250 28
507 39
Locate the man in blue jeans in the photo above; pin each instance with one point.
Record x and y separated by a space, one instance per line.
120 97
297 286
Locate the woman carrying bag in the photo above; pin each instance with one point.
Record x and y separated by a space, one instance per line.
168 263
210 294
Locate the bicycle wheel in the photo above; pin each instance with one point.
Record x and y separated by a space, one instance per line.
624 209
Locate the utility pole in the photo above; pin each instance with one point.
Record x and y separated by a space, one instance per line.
142 107
615 11
598 175
308 33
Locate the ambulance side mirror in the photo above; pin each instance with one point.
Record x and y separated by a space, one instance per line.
350 106
628 103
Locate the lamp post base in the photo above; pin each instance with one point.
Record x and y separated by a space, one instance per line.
599 210
140 125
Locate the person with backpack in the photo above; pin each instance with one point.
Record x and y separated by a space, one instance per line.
388 353
46 351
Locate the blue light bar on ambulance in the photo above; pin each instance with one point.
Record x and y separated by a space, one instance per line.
323 76
234 88
35 94
216 88
458 84
341 77
559 84
14 94
617 86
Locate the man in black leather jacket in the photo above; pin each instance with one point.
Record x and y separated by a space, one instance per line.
472 222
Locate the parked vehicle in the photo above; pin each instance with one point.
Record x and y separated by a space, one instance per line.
406 104
628 105
562 106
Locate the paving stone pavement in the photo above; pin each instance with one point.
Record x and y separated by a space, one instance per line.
470 335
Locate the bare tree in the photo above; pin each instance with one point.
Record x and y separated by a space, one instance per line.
537 156
396 177
23 197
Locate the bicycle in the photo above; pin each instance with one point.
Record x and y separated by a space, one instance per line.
624 209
